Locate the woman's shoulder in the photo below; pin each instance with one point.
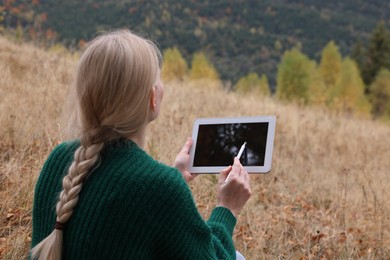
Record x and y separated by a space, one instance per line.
62 152
65 147
129 159
130 166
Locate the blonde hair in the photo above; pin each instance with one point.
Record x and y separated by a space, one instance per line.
114 81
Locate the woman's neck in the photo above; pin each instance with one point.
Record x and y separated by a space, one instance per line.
139 137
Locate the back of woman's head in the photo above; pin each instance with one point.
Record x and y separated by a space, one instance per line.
114 82
115 77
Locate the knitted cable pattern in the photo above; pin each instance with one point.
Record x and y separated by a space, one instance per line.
84 159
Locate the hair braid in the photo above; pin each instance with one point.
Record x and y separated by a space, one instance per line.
85 158
114 82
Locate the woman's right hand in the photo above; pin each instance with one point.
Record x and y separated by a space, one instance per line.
234 192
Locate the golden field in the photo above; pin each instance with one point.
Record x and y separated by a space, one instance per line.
327 196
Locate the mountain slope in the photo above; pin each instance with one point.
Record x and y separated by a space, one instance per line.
239 36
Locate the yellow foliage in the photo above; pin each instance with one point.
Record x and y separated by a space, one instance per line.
175 67
251 83
201 68
58 48
330 65
317 89
295 77
348 95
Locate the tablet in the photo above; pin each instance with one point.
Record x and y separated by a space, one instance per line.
216 141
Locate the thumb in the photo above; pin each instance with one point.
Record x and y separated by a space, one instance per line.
187 146
224 173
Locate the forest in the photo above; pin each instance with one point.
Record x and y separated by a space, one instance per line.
238 36
330 54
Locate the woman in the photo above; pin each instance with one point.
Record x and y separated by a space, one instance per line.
115 201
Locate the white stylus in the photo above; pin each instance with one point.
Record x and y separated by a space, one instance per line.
238 157
241 150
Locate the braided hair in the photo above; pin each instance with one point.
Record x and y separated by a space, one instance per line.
114 81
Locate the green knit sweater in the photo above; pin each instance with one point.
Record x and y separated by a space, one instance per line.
130 207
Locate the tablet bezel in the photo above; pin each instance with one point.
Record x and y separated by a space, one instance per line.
271 120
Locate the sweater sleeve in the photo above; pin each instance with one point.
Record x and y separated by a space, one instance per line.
185 235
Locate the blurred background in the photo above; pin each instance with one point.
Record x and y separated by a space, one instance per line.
321 67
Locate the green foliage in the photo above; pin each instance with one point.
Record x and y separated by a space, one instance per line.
348 95
295 76
201 68
380 94
240 36
175 66
251 83
377 54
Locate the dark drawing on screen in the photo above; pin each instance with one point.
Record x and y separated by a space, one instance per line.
218 144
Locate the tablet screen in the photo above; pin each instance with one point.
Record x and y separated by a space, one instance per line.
218 144
216 141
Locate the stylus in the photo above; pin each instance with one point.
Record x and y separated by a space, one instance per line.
241 150
238 157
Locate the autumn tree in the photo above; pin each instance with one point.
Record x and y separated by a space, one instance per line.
330 66
175 66
201 68
295 76
318 91
251 83
264 88
348 95
380 95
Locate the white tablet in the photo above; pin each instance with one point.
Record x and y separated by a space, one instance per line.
216 141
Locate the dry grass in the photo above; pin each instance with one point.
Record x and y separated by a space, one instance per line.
326 197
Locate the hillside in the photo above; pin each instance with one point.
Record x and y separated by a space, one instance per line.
239 36
325 198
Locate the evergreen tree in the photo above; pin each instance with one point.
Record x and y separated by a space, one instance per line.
201 68
380 94
175 66
253 84
378 54
359 55
295 76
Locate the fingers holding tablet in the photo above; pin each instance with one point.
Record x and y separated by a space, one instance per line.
182 161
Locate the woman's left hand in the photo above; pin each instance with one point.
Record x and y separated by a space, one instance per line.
182 161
